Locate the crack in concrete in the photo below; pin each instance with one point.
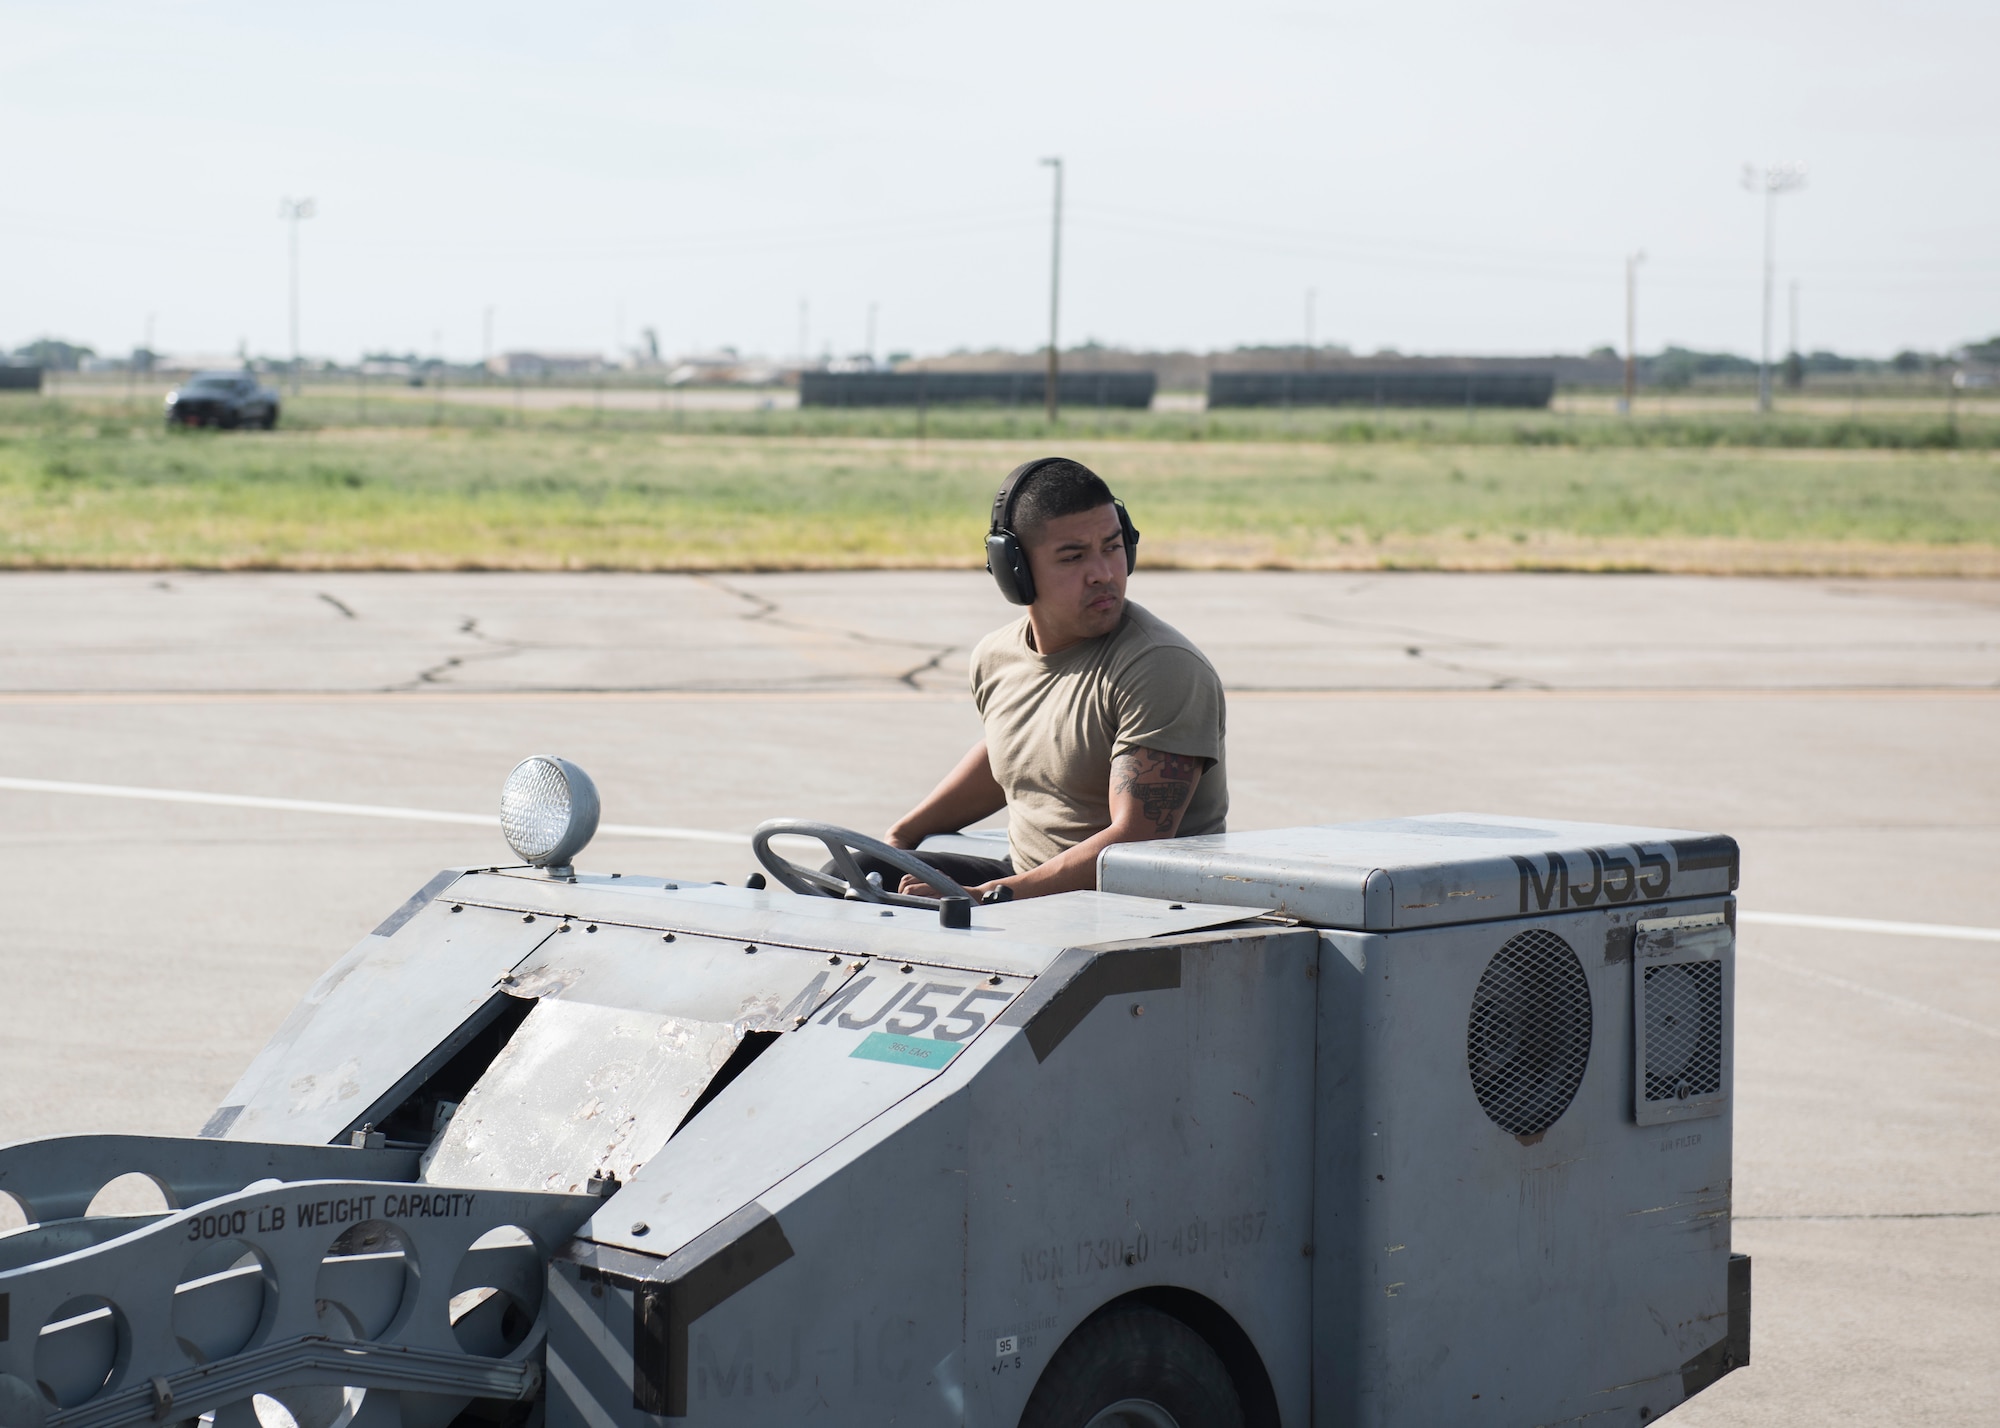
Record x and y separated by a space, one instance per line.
1495 678
438 676
765 608
435 675
337 603
909 676
768 611
1337 622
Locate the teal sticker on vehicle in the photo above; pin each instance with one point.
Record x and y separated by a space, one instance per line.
906 1050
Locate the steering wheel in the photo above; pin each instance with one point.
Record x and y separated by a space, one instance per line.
843 844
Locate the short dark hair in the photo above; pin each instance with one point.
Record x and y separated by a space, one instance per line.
1061 488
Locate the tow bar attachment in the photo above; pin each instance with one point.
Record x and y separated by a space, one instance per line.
335 1296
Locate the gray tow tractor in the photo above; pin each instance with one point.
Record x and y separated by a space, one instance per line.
1412 1123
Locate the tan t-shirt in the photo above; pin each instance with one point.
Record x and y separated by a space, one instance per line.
1053 725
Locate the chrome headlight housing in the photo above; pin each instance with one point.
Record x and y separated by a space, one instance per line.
548 811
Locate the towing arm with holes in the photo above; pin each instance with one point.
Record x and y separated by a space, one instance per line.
301 1302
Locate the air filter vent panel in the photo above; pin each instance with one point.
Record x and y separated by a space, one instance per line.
1527 1040
1680 1017
1683 1031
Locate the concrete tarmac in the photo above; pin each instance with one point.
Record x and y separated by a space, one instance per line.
1844 731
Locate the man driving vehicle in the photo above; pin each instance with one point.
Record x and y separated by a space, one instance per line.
1104 724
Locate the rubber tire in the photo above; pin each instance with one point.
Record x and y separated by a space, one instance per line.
1134 1351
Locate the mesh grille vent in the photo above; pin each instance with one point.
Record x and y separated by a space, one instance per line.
1528 1038
1683 1031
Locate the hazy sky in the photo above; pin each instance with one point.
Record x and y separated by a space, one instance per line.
1448 176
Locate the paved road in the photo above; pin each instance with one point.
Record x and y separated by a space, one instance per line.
1843 730
580 393
528 396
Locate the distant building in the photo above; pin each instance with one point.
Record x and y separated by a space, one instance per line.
726 368
546 364
1184 371
172 362
1385 385
1005 389
52 354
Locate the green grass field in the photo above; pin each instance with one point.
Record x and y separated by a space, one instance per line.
85 484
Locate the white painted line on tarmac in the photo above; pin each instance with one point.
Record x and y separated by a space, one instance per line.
709 835
1869 924
349 810
683 835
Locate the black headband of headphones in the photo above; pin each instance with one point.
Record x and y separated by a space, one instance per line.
1007 559
1010 490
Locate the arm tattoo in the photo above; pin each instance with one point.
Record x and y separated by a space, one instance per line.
1160 783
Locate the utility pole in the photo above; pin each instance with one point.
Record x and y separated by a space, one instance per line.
804 348
293 211
1795 360
486 343
1770 182
1631 332
871 333
1311 294
148 349
1055 292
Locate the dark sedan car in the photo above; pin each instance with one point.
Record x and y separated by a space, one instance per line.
222 399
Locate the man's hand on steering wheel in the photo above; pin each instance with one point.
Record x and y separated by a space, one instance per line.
846 879
912 886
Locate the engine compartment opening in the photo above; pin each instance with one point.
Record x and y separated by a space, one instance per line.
753 1045
418 1117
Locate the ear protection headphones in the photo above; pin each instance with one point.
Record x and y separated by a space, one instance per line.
1007 559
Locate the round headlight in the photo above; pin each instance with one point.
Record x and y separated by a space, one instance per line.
548 810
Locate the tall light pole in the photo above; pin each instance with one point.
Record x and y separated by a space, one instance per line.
1770 181
1055 290
1631 331
293 210
1312 294
1795 360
